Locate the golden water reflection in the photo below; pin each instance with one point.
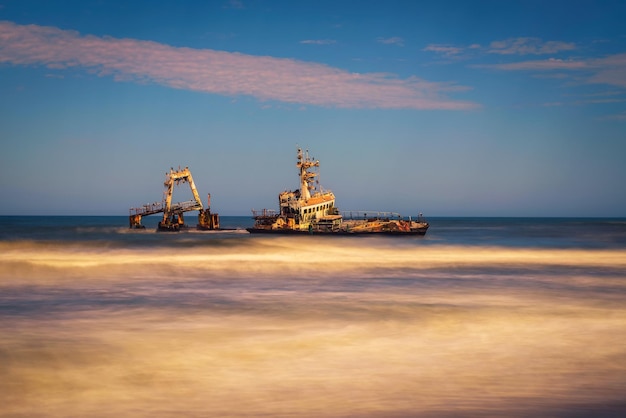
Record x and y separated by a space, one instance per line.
273 329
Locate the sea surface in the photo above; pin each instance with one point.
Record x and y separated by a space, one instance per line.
482 317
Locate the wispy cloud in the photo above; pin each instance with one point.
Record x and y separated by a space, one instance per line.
552 76
319 41
618 116
445 50
218 72
391 41
553 104
600 98
541 65
529 46
587 101
512 46
610 70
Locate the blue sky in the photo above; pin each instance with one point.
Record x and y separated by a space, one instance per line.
450 108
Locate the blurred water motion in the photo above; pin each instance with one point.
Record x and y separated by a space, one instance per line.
311 328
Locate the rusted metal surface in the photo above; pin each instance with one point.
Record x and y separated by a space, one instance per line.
173 213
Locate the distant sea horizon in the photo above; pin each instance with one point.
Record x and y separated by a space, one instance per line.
566 232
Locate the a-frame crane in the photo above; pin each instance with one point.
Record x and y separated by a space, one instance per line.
173 219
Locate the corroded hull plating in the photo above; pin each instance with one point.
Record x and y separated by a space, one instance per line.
420 231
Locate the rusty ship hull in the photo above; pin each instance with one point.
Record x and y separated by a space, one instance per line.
419 232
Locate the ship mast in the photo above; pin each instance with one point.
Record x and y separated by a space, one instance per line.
304 164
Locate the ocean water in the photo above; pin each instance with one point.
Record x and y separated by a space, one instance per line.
495 317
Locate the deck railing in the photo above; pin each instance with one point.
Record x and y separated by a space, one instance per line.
158 207
147 209
263 213
369 214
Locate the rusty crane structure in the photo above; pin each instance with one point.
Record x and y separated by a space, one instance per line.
173 218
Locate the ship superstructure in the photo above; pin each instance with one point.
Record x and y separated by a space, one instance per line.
310 209
304 208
